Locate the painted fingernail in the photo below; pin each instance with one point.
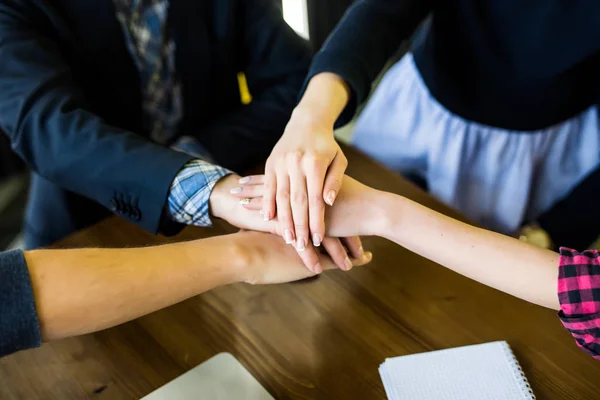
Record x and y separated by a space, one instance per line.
287 235
266 216
245 180
236 190
348 264
316 240
330 197
301 244
318 269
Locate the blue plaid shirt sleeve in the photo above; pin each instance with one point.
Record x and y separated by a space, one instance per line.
190 192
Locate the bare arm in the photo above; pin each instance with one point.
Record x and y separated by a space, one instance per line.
498 261
82 291
502 262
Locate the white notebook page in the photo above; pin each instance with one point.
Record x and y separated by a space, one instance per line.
479 372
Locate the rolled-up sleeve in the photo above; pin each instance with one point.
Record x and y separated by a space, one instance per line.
19 326
579 296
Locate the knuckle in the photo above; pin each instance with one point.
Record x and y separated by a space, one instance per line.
295 156
279 165
283 195
311 157
316 228
315 200
299 198
313 163
268 192
336 181
300 229
270 167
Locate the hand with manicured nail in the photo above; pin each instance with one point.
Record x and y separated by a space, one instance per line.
274 262
225 202
357 210
250 193
302 175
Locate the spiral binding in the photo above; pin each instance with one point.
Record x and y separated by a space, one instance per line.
520 375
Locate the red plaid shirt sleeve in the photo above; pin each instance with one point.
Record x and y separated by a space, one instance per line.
579 296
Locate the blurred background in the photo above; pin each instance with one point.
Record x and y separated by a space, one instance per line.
312 19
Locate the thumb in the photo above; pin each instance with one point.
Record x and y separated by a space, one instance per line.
334 178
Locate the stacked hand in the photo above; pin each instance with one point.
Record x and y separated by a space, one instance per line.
304 173
272 261
227 206
356 211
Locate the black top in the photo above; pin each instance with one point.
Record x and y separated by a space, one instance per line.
505 63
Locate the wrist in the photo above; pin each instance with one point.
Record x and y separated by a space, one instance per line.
312 118
386 212
220 194
245 256
231 257
325 98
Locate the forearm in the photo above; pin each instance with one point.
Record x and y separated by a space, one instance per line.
82 291
53 128
325 98
370 32
501 262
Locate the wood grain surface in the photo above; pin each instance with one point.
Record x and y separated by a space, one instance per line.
318 339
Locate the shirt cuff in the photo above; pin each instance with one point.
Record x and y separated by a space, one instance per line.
579 297
188 201
19 326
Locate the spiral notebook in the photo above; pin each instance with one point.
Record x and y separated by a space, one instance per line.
487 371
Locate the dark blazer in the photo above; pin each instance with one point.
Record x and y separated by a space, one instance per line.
70 101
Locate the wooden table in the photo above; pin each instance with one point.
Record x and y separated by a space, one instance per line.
320 339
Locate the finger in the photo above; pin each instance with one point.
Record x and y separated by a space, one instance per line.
354 246
337 252
364 260
284 211
250 191
310 258
327 264
333 180
299 202
253 180
269 194
315 177
252 204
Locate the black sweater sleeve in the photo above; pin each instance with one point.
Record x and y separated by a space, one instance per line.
368 35
19 327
